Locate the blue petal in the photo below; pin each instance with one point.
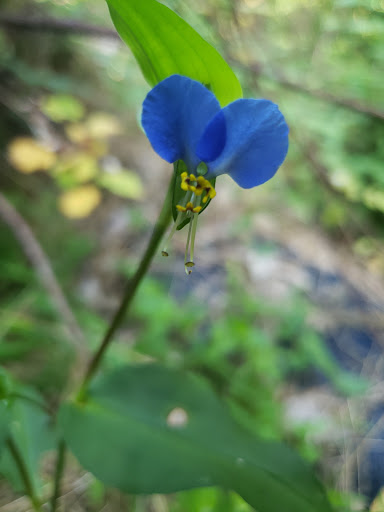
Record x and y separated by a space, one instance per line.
212 144
256 142
175 114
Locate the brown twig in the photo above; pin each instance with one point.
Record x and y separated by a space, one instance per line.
40 262
57 26
348 103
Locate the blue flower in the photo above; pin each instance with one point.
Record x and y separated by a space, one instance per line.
247 139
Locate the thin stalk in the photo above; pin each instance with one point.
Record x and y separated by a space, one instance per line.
24 474
59 469
171 233
194 222
186 260
129 294
131 287
193 236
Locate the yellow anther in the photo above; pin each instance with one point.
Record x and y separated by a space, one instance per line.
185 181
210 192
201 183
188 267
197 186
189 207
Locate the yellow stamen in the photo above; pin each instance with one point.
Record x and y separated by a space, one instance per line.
201 183
185 180
189 208
210 192
198 185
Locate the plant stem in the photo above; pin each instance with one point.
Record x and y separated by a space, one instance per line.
129 293
60 461
24 473
131 287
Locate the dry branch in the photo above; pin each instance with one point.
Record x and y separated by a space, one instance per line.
42 266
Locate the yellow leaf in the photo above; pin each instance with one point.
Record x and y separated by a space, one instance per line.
77 132
79 202
101 125
27 155
378 504
81 135
123 183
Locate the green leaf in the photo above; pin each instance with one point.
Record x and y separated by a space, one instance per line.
62 107
6 385
4 423
148 430
164 44
33 434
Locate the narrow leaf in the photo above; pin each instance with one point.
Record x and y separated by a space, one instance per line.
164 44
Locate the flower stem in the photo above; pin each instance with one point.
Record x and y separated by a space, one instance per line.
129 294
131 287
24 474
59 469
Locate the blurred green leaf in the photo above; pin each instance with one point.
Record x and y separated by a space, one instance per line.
165 431
62 107
33 434
4 423
6 385
164 44
74 169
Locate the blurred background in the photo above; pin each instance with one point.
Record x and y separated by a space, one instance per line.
283 312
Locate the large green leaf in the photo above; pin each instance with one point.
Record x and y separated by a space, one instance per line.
148 430
164 44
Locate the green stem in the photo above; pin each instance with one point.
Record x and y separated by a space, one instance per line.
59 469
24 474
131 287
